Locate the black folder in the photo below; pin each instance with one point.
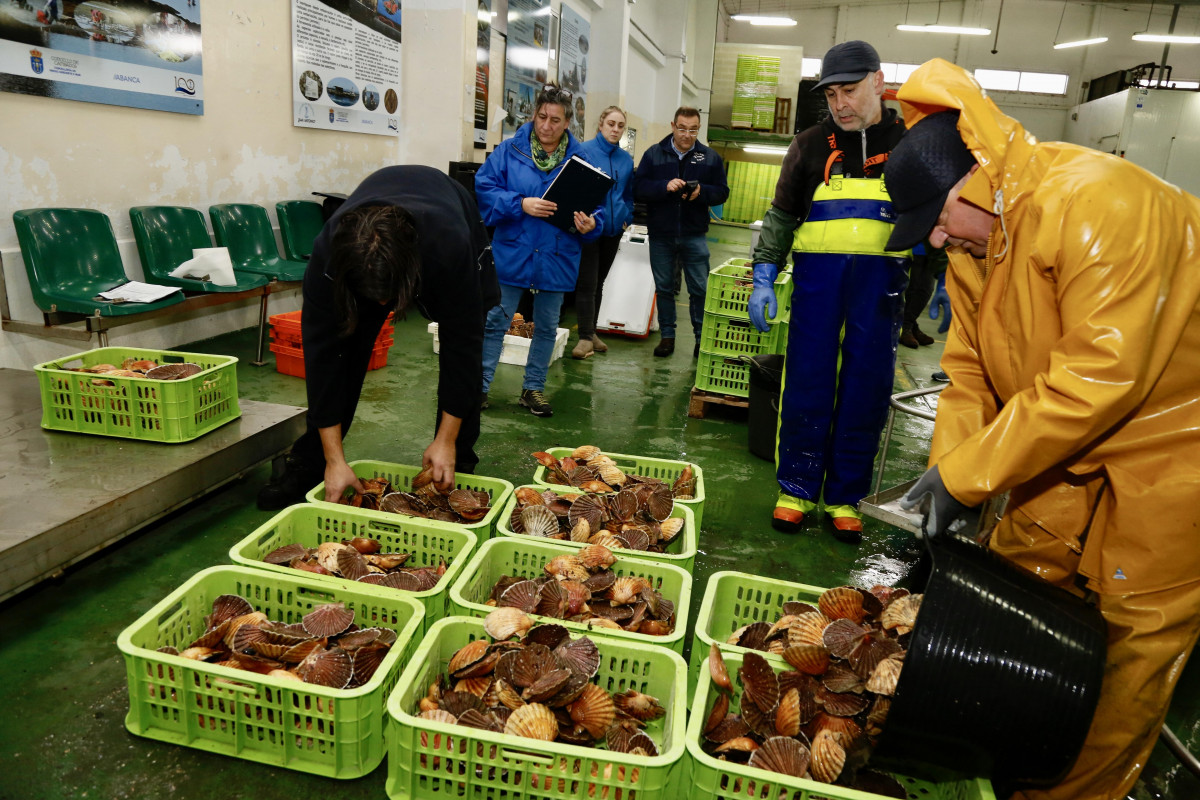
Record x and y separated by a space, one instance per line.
578 187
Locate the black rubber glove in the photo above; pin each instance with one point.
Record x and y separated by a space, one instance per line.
934 500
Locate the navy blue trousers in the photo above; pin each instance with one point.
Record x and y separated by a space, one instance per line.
841 356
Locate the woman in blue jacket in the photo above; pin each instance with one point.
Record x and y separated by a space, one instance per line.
529 252
598 255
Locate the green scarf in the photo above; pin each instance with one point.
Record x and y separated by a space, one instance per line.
547 162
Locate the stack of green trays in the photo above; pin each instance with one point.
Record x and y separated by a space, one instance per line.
714 779
680 551
525 557
728 338
645 467
401 477
338 733
313 524
435 759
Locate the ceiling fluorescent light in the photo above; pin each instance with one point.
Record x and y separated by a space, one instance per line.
945 29
755 19
764 149
1167 38
1081 43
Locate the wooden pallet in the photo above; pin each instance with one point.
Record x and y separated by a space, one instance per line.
699 401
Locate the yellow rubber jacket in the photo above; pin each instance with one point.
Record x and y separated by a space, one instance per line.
1074 355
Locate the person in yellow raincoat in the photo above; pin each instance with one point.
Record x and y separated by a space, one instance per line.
1074 365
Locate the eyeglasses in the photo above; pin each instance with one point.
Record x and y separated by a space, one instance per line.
551 90
686 131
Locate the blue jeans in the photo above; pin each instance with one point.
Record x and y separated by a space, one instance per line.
667 255
546 306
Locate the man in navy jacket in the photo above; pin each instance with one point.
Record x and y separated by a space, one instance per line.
678 179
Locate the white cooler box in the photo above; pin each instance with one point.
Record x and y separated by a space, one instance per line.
628 304
516 348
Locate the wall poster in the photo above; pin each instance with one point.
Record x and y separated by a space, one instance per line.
527 60
346 65
574 32
483 49
140 54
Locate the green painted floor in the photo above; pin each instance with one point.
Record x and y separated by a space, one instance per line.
63 692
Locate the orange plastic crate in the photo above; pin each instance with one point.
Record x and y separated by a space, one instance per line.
288 344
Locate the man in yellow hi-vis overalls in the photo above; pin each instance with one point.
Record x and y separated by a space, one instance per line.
847 296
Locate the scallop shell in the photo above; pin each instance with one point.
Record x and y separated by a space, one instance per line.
718 713
386 560
843 637
462 500
254 618
875 649
841 704
726 729
600 581
761 721
467 656
174 372
828 757
508 695
528 496
807 629
623 505
504 623
587 507
877 716
635 538
283 555
606 539
552 600
759 682
585 452
458 703
530 664
567 567
539 521
546 460
781 754
533 721
438 715
885 677
787 714
594 710
577 597
845 728
842 602
753 636
547 685
548 635
594 557
669 528
641 744
626 590
364 545
351 564
811 659
796 608
901 614
603 624
581 531
524 595
581 656
366 661
327 555
640 706
612 475
717 668
404 581
398 503
333 668
842 679
742 744
225 608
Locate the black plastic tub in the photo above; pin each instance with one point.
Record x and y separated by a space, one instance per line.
1002 673
766 378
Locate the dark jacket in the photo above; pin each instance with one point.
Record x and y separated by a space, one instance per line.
857 154
457 287
618 165
667 213
530 252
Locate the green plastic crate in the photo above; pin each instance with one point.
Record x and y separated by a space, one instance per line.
525 556
312 524
138 408
734 599
681 551
732 336
643 466
432 759
730 286
723 374
338 733
712 779
401 477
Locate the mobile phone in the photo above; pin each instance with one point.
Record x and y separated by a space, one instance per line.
689 187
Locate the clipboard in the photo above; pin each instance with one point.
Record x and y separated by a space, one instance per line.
578 187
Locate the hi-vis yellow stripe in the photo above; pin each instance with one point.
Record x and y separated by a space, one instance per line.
855 235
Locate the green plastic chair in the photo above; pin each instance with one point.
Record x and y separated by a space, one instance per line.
299 223
71 256
245 229
166 237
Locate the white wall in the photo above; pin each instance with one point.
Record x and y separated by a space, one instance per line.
243 149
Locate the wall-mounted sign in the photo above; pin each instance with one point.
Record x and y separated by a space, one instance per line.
573 46
137 53
527 60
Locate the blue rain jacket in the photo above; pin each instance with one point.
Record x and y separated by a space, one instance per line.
618 165
529 252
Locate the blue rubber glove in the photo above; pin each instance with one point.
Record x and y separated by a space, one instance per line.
941 302
763 297
930 496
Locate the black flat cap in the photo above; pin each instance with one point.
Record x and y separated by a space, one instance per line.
920 173
848 62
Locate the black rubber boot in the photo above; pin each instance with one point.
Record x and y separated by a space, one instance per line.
290 487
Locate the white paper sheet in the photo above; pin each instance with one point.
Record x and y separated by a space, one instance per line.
138 292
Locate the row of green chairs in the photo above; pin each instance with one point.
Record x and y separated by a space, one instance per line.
71 254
